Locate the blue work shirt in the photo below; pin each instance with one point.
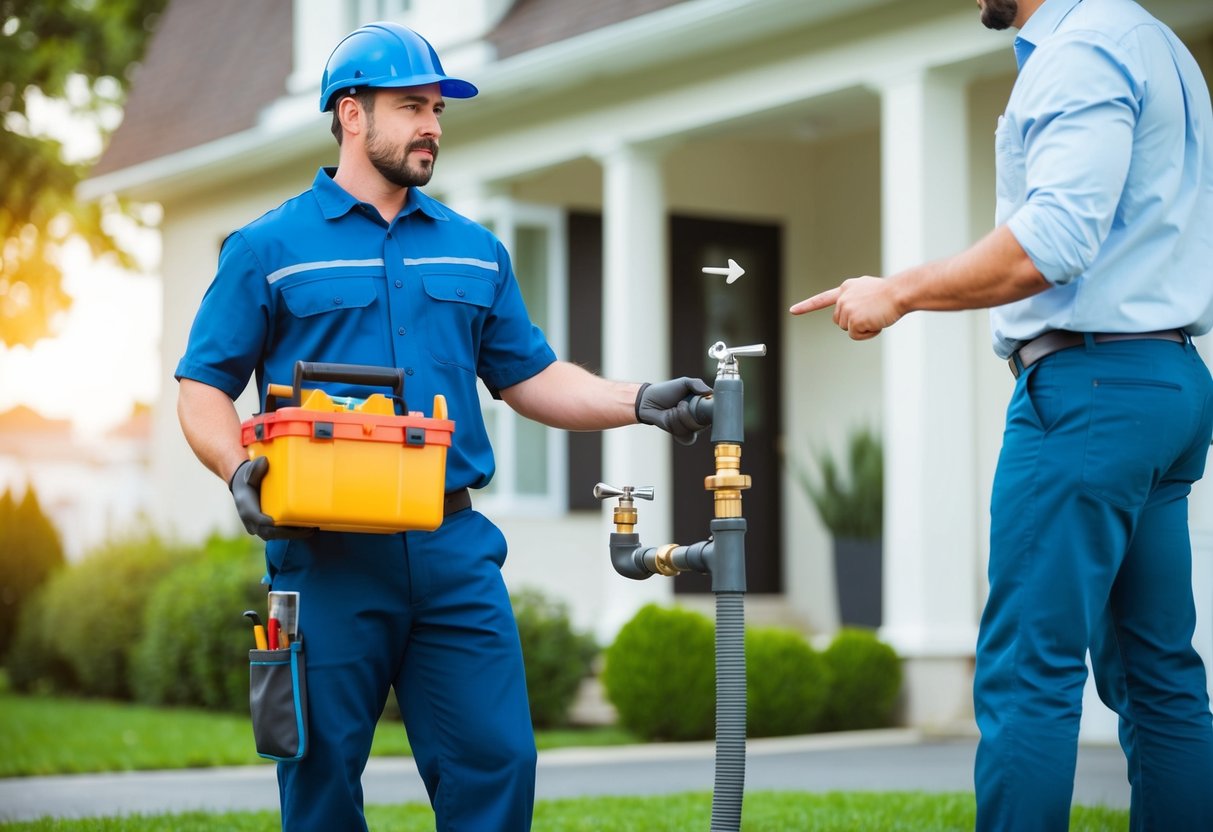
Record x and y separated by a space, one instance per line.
323 278
1105 175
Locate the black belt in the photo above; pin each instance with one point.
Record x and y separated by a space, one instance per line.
456 501
1060 339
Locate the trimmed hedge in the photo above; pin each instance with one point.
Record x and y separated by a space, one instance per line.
91 615
556 657
788 683
660 674
867 680
194 649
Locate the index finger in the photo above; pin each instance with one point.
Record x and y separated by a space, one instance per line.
819 301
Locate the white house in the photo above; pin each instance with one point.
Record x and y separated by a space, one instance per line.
618 146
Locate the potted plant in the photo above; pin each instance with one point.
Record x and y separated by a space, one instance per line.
849 498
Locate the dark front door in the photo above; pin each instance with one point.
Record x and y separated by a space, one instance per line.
705 309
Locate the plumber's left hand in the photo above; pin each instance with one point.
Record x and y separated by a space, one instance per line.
666 404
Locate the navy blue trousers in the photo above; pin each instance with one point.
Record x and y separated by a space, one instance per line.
1089 550
425 613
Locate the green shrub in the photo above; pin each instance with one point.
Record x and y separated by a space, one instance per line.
556 657
93 612
867 679
787 683
194 648
30 551
660 674
32 665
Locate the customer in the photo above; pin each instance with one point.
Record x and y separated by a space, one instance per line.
1099 273
364 268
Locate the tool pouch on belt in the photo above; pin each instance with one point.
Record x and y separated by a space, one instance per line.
278 702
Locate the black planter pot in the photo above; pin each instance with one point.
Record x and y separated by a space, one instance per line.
858 575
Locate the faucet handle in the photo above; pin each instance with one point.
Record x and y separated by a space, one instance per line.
602 491
723 352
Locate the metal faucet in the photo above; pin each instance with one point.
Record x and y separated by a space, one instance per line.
722 556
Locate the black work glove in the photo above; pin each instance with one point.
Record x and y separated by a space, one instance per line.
667 405
246 491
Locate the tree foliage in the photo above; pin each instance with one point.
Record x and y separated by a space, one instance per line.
44 44
30 550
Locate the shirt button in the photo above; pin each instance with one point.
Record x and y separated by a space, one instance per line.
459 292
337 301
408 371
400 331
399 283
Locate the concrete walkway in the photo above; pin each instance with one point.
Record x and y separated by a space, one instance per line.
892 760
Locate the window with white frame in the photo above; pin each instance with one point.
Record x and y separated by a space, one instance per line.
359 12
531 459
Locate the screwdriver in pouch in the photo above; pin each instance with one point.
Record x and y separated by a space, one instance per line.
258 630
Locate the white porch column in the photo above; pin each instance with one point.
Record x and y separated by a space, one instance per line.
636 335
932 551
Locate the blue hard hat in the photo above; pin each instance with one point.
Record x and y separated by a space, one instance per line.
386 55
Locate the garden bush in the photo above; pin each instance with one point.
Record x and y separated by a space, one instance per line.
30 551
91 614
32 666
787 683
660 674
867 680
556 657
194 649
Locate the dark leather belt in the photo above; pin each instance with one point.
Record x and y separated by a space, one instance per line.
456 501
1060 339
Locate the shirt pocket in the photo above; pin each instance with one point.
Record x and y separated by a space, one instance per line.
1011 166
329 294
458 301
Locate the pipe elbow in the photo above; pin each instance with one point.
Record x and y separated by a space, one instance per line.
627 556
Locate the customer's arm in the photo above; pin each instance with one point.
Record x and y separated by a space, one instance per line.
994 271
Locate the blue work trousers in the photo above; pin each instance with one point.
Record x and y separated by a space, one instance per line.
428 614
1089 550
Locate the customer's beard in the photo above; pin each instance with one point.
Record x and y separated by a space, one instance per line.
393 164
999 14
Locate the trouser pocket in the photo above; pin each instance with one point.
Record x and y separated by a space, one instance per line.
278 701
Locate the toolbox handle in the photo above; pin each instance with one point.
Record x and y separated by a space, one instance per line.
392 377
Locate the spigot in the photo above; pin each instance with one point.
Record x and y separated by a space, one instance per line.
726 356
625 512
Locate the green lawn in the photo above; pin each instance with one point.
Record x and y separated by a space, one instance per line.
762 812
48 735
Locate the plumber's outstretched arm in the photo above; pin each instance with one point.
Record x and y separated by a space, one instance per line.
564 395
994 271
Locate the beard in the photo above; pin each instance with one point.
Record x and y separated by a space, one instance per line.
393 163
999 14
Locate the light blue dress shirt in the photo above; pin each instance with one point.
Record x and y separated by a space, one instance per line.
1105 175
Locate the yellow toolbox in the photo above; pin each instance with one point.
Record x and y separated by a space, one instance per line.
351 465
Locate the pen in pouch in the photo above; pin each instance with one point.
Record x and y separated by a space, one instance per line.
274 628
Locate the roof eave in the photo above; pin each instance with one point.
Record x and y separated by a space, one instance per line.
649 39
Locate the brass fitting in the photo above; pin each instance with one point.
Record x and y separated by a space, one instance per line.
663 560
728 482
625 517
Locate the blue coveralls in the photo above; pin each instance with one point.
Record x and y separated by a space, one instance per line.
323 278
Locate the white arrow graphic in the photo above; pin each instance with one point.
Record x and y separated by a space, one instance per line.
733 271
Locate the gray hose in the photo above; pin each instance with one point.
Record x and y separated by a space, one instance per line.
730 712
